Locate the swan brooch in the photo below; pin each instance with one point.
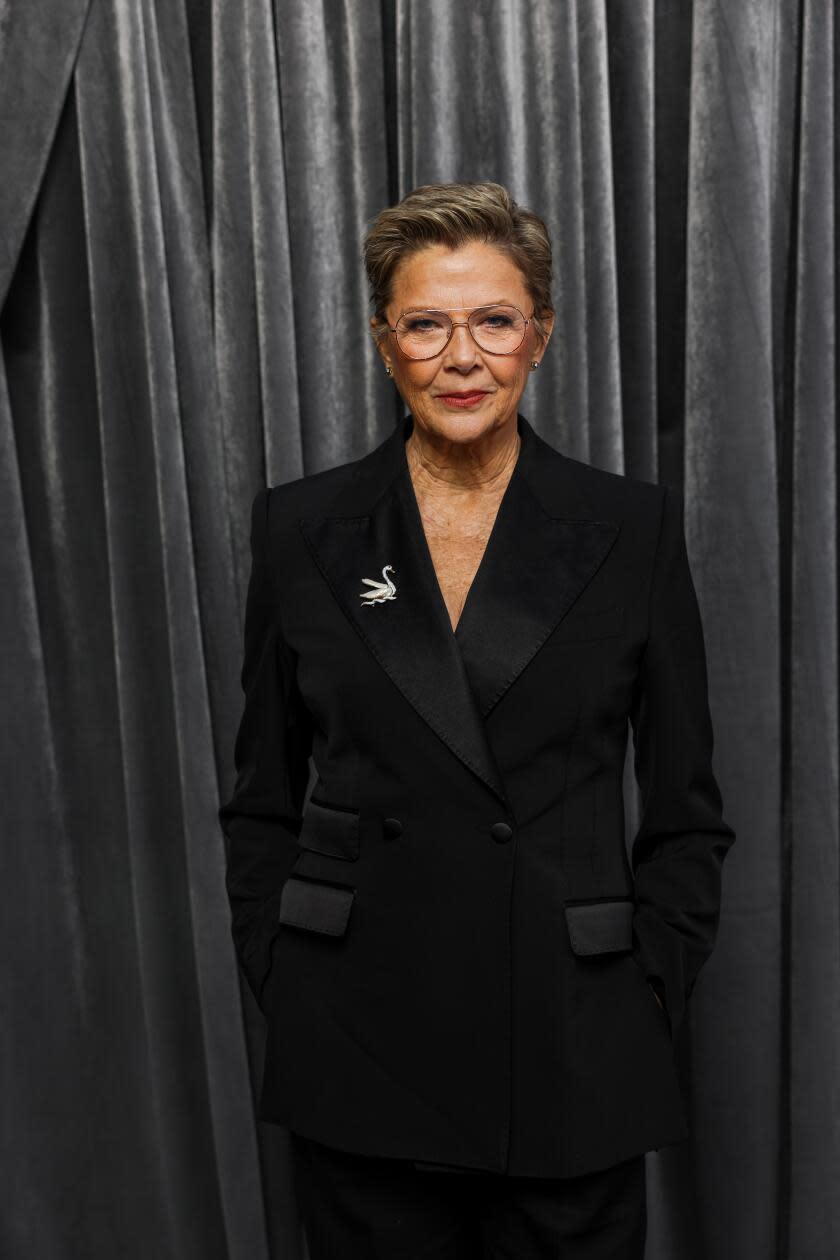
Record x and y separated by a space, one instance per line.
380 590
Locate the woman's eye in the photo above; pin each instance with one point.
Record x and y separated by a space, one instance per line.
497 321
422 324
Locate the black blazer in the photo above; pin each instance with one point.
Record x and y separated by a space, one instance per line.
452 951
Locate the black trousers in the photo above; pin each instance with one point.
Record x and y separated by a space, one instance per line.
363 1207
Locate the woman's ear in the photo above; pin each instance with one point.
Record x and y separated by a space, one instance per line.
547 322
381 341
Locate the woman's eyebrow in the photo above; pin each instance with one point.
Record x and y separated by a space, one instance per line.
492 302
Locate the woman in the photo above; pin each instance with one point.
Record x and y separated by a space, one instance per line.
460 970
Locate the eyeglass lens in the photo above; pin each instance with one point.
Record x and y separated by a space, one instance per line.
497 329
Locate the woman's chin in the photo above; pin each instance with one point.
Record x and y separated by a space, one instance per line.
457 424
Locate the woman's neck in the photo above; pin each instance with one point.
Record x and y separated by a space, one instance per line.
480 468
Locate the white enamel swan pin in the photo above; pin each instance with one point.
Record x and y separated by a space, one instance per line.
380 591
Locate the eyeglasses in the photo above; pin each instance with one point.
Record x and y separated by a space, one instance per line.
426 334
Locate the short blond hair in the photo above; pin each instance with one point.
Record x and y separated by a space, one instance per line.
453 215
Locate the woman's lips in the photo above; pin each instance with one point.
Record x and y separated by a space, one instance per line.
463 400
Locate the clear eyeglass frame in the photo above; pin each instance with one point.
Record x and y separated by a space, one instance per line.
467 323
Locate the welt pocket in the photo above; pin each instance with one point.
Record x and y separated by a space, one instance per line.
315 906
600 925
330 829
599 623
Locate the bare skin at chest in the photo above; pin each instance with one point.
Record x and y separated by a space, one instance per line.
456 549
458 520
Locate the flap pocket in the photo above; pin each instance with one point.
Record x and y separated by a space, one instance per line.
600 927
330 829
316 907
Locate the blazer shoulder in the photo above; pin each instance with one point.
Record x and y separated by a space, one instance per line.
621 493
308 495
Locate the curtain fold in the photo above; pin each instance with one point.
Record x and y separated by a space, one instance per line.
730 472
810 868
184 317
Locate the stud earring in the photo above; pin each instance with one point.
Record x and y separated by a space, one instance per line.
387 369
534 364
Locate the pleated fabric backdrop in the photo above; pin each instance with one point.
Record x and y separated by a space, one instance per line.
184 189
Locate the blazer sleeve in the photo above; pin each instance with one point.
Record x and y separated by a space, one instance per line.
682 840
262 819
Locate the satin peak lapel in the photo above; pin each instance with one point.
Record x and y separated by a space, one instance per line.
533 570
534 567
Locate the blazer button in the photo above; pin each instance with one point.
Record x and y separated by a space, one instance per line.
392 828
501 832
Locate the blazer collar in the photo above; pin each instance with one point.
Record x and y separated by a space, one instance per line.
543 550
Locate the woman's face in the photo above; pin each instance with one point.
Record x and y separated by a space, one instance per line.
440 278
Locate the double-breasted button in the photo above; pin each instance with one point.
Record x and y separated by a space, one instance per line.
501 832
392 827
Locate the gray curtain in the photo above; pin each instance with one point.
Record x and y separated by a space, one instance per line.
184 188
